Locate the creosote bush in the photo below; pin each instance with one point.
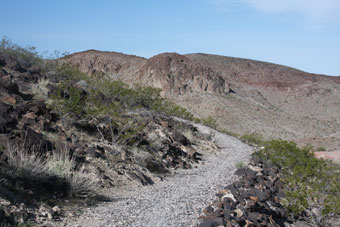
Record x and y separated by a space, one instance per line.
28 54
312 186
252 138
103 96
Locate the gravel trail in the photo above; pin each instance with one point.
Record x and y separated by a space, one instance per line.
176 201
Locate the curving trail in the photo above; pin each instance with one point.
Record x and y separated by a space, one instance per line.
176 201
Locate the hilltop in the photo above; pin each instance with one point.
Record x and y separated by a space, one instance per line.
244 96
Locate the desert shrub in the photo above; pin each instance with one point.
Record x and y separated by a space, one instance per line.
72 103
39 89
311 185
234 134
321 149
128 134
82 183
118 95
209 121
30 165
240 164
252 138
60 164
28 54
27 164
170 109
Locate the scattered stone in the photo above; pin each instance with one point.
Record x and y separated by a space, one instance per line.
56 210
9 100
179 137
251 201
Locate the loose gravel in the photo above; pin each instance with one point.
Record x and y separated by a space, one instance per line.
178 200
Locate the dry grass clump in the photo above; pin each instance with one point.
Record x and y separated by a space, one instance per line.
26 164
31 165
40 89
82 183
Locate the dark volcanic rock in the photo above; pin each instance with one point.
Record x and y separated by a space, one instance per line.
35 140
251 201
8 85
15 65
7 122
179 137
6 220
2 61
92 152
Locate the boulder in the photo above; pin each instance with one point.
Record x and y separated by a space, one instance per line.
35 140
7 121
2 61
15 65
180 138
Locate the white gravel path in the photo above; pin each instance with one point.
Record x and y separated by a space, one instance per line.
176 201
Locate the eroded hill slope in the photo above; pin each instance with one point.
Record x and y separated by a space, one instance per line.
243 95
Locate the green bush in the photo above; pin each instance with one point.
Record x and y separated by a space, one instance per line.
28 54
252 138
210 122
321 149
310 184
73 104
119 96
240 164
234 134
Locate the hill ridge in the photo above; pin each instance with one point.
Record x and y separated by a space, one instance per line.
243 95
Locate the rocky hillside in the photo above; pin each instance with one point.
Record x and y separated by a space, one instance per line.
69 139
244 96
94 62
66 137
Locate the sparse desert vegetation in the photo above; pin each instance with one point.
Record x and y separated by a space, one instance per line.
67 135
62 131
93 96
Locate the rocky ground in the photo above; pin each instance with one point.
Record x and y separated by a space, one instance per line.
254 200
132 148
138 147
146 167
178 199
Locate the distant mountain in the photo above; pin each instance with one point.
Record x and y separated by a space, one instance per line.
243 95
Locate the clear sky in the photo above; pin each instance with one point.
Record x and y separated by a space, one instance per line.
304 34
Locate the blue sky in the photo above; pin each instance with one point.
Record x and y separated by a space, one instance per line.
304 34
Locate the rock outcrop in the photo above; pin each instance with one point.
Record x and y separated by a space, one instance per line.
117 65
243 95
176 75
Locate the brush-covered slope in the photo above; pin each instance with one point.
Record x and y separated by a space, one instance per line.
243 95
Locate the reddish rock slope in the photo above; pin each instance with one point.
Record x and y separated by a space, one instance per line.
243 95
